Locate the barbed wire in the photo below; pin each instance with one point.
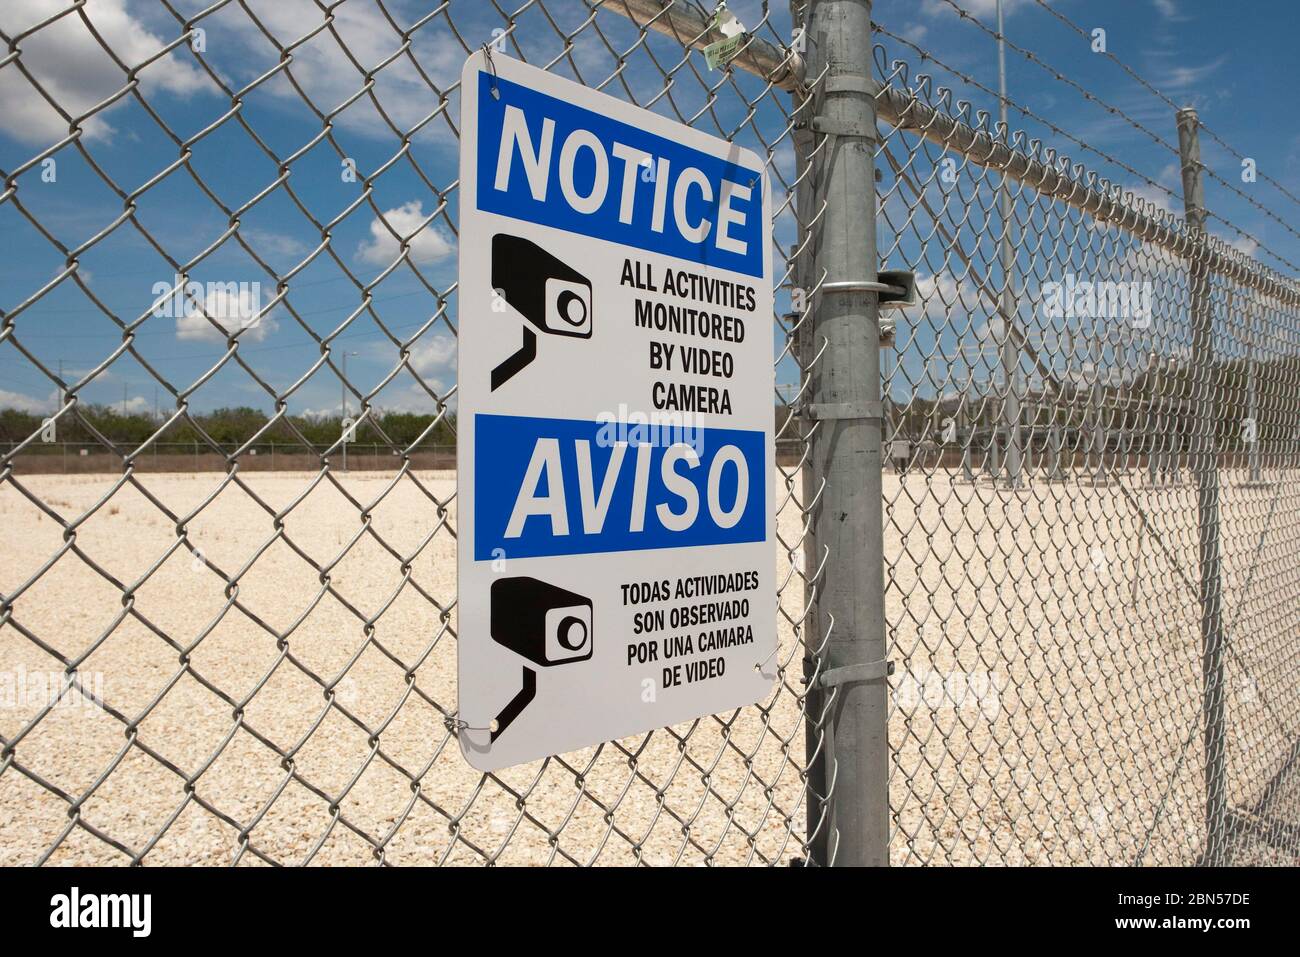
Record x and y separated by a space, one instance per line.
1025 111
1253 202
1150 88
1063 78
1034 58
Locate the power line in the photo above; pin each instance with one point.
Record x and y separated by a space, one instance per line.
1058 75
1165 99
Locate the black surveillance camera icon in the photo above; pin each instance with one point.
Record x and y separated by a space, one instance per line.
545 624
547 292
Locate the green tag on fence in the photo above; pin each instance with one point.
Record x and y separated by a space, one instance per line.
719 53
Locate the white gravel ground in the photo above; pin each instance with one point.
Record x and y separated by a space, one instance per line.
1047 700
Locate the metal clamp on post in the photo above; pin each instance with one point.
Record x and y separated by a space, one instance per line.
847 83
902 291
856 674
895 288
836 127
862 285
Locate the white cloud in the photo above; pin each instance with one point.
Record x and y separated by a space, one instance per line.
1170 177
427 245
233 307
25 403
944 300
1244 244
1156 197
326 73
1182 77
136 405
82 273
326 413
70 64
273 244
435 361
1167 9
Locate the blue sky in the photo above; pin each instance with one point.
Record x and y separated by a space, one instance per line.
1234 70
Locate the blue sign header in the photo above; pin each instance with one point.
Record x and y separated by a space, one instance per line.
546 161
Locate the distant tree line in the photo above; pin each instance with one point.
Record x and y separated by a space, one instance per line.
1163 398
228 427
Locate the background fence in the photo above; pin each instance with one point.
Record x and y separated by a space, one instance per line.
1083 563
73 458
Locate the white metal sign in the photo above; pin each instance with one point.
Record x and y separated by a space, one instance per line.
615 426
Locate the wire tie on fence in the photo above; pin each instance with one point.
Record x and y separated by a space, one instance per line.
758 665
456 726
492 69
856 674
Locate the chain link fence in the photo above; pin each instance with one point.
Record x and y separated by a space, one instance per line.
1093 416
1091 578
261 668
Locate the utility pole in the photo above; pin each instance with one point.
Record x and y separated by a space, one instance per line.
1205 423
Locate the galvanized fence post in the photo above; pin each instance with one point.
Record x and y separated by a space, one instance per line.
1206 467
845 449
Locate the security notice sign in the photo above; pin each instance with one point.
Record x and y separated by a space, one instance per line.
615 425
